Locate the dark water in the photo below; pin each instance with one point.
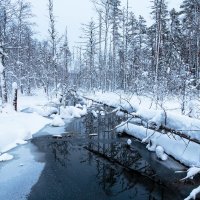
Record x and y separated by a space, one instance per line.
83 167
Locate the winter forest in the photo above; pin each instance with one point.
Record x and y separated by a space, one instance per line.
118 51
148 74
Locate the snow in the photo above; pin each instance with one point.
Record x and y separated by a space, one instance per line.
15 127
161 153
129 142
120 113
94 113
193 194
194 108
14 86
179 148
168 116
44 111
145 74
19 63
32 101
110 99
168 70
72 112
57 121
191 172
79 106
5 157
102 113
1 67
93 134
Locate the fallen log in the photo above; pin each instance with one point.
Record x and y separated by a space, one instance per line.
162 129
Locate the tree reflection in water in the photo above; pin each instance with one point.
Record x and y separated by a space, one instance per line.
114 150
103 160
60 151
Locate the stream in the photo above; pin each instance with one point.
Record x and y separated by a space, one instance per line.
91 162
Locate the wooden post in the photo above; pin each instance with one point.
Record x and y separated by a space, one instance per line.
14 87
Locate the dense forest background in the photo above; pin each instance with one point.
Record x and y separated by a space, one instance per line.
117 51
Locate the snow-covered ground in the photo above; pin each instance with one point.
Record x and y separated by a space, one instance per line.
17 127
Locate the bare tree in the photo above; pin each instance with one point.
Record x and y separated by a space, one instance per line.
53 36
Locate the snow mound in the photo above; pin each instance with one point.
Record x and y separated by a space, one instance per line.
120 113
152 144
5 157
44 111
72 112
161 153
14 86
57 121
129 142
17 127
102 113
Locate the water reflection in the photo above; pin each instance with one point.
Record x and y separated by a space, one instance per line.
109 146
60 151
81 166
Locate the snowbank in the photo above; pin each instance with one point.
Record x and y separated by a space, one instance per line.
16 127
57 121
72 112
145 109
44 111
184 124
179 148
5 157
31 101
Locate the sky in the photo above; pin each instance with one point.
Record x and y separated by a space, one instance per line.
73 13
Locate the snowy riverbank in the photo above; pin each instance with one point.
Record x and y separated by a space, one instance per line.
168 116
18 127
151 125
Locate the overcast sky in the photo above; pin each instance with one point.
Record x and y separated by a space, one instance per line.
72 13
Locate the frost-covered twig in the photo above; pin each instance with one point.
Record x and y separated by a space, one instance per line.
127 100
122 124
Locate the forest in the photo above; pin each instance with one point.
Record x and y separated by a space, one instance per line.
118 51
